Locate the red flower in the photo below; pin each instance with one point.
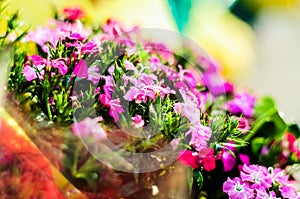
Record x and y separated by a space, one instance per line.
189 158
207 158
73 13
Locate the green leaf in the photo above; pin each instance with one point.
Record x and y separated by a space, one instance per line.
257 144
199 178
268 121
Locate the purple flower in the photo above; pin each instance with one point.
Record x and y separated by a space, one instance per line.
242 103
138 121
81 69
115 109
88 127
258 175
213 79
236 189
199 135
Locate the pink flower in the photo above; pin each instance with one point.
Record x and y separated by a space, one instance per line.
244 126
129 66
145 93
264 195
115 109
258 175
81 69
89 47
189 158
138 121
29 73
60 65
242 103
199 136
43 35
159 48
189 108
88 127
236 189
288 191
94 74
73 13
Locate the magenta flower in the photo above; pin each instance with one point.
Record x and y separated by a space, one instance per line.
73 13
258 175
245 159
242 103
60 65
243 126
104 99
88 127
81 69
236 189
138 121
189 158
228 161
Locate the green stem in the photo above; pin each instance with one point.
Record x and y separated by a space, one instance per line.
48 107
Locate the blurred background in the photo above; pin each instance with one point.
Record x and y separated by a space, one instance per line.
257 42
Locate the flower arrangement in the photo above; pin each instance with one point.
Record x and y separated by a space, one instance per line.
114 111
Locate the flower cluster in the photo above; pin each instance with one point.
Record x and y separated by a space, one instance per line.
260 182
103 82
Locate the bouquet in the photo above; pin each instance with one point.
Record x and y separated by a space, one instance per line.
115 112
